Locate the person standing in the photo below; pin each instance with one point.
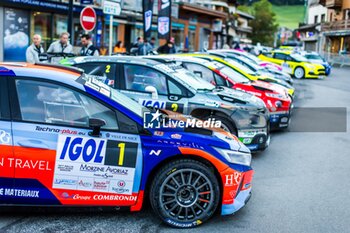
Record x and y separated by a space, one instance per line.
88 48
35 52
118 48
153 42
144 48
60 46
134 50
167 48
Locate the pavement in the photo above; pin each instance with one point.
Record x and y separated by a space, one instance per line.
301 183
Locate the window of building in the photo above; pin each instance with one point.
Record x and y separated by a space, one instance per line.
323 18
316 19
41 24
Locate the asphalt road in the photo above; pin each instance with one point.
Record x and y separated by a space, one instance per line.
301 184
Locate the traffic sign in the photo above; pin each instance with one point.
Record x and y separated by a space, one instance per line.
112 8
88 18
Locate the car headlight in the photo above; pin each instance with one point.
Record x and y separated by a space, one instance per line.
278 104
277 96
310 66
236 157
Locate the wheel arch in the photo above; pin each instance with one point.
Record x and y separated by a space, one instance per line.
198 158
202 113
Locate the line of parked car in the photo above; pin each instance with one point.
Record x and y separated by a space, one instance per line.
118 130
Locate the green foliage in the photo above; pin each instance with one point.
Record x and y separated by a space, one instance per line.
289 16
264 25
244 8
275 2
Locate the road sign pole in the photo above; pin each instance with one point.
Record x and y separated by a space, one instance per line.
70 21
110 34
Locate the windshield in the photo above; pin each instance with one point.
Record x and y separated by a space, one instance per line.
240 66
193 80
248 63
95 83
234 75
298 57
252 57
314 57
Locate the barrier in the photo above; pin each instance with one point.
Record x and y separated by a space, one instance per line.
335 58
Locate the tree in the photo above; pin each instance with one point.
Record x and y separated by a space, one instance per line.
264 25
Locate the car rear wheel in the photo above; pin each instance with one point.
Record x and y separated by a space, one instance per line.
299 72
185 193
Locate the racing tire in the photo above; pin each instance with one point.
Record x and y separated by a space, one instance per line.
299 72
225 123
185 193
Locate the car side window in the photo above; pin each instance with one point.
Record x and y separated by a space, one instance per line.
174 89
268 55
289 58
201 71
220 81
53 104
137 78
280 56
105 71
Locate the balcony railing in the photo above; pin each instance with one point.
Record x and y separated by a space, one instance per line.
336 25
331 3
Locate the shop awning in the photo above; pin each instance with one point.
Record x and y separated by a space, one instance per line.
202 10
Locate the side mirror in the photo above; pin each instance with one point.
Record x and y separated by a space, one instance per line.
95 124
153 90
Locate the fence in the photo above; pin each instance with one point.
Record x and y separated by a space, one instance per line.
335 58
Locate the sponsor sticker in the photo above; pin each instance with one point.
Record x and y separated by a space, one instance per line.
93 163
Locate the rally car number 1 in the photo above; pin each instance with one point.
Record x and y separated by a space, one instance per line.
95 164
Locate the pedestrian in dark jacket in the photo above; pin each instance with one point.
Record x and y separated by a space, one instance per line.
88 48
167 48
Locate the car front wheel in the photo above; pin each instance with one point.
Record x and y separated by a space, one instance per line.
299 73
185 193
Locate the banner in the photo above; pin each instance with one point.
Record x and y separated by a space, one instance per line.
147 18
16 34
164 19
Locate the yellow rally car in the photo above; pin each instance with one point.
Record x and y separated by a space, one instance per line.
298 65
244 71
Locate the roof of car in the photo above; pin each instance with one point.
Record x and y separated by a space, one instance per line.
172 58
118 58
40 71
282 51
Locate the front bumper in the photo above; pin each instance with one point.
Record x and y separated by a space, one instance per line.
237 193
279 120
255 140
315 73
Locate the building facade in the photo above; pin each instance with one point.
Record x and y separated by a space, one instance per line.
310 30
336 30
22 19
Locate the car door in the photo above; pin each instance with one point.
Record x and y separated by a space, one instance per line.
7 170
57 158
137 79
